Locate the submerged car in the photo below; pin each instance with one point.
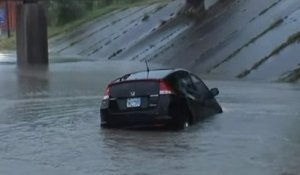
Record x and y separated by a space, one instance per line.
174 98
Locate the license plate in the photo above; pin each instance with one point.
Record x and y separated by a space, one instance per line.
133 102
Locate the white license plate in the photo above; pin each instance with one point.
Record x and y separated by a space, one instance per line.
133 102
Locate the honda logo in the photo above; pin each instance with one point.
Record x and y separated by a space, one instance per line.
132 93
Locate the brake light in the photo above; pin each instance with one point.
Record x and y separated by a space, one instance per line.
164 88
106 93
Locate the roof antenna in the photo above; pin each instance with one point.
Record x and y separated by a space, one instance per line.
146 61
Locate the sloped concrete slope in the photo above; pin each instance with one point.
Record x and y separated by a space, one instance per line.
110 36
244 39
240 39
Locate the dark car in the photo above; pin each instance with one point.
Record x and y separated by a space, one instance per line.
173 98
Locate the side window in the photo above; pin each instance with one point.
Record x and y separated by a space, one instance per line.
195 79
185 81
201 87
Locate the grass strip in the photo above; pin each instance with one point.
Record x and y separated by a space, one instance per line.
55 30
292 76
270 7
10 43
229 57
291 39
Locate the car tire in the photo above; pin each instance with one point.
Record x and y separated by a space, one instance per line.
184 119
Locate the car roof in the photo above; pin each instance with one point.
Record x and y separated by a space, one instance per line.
152 74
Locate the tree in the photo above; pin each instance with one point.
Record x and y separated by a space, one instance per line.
64 11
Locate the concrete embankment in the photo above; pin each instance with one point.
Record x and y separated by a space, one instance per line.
234 39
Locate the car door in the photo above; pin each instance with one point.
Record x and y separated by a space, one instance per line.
188 89
206 99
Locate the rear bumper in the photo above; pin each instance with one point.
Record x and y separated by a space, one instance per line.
163 113
133 119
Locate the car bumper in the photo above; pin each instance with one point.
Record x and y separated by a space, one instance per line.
164 113
133 119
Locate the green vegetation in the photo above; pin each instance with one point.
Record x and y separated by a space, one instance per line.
292 76
290 40
8 43
160 7
243 74
115 53
65 11
163 22
229 57
146 17
89 10
293 38
65 15
267 9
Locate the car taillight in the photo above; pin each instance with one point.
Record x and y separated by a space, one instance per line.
164 88
106 93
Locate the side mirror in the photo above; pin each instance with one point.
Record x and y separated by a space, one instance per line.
214 92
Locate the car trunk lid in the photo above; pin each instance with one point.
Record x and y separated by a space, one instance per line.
137 95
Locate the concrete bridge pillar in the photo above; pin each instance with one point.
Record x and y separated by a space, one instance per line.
32 39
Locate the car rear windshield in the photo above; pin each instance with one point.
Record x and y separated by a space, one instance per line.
154 74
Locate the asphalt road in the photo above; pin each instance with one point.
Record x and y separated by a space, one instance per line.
49 124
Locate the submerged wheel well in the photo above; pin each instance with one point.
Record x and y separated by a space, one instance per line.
187 111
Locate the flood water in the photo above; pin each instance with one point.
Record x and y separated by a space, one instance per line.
49 124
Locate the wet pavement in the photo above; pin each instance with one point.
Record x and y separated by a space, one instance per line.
49 124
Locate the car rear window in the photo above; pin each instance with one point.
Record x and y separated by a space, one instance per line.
154 74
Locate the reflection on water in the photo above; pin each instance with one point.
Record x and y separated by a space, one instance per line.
33 80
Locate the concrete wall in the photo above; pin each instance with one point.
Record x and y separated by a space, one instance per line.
202 4
210 3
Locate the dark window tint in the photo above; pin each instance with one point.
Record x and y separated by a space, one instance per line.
201 87
153 74
185 81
